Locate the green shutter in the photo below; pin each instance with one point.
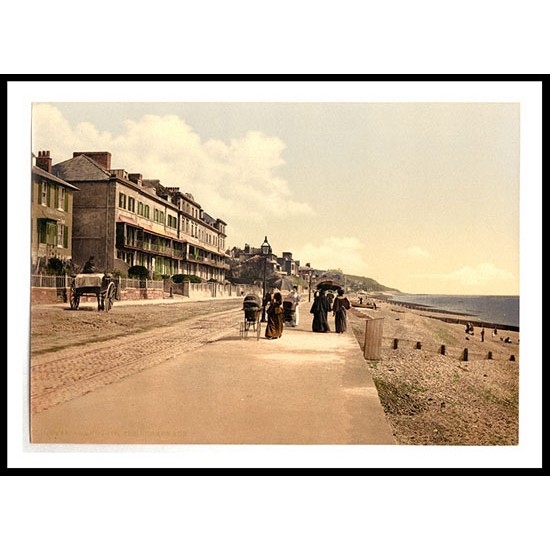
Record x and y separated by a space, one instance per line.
41 228
66 200
65 236
56 195
49 193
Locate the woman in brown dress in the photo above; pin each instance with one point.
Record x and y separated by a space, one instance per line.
275 317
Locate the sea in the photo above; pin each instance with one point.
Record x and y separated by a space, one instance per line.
502 310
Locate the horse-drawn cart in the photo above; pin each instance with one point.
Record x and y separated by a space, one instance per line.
99 285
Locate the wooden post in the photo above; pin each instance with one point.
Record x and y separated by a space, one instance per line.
395 341
465 356
442 349
373 338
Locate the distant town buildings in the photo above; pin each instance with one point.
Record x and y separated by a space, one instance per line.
288 265
243 261
276 265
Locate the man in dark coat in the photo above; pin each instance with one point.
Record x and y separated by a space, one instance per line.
89 266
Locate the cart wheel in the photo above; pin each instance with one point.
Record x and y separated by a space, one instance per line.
74 298
109 297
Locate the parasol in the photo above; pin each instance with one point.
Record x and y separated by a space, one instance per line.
281 283
329 284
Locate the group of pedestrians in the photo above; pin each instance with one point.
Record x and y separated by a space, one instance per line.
323 305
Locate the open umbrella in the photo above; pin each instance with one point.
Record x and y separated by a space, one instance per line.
328 284
281 283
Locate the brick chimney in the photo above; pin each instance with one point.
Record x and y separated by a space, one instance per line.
136 178
44 161
101 157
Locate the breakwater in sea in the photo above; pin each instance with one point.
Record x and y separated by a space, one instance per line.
500 312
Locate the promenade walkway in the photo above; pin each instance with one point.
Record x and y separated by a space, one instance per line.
304 388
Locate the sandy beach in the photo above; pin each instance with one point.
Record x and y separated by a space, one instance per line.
435 399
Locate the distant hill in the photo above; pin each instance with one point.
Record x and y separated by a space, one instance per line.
356 283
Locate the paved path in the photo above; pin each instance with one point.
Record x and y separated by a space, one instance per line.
305 388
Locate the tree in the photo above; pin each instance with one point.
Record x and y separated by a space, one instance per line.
138 272
251 269
55 266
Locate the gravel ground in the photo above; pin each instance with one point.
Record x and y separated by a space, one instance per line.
435 399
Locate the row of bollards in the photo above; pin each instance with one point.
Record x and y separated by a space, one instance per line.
443 351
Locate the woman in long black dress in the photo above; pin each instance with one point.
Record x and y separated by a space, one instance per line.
314 310
320 309
340 306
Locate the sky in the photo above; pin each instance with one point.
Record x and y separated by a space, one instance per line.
421 196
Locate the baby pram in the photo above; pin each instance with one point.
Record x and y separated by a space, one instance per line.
252 307
289 312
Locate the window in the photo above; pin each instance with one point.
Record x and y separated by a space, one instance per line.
122 200
41 230
62 236
158 216
48 231
140 209
44 193
130 236
61 198
146 211
131 204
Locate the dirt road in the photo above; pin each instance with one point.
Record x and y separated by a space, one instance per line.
75 352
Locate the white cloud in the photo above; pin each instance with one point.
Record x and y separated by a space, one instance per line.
235 181
479 275
346 253
415 252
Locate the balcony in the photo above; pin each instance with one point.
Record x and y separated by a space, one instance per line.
207 261
148 246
